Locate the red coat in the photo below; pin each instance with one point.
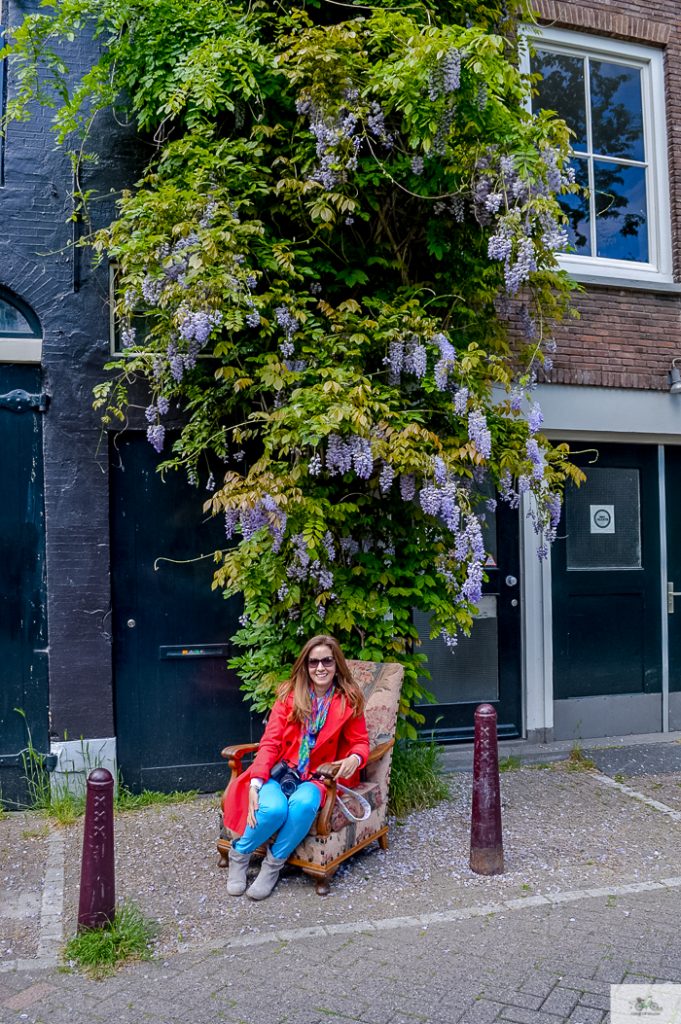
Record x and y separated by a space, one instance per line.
340 736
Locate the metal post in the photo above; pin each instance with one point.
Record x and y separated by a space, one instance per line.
97 884
487 851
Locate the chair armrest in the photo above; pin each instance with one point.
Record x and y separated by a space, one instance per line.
235 755
378 751
323 824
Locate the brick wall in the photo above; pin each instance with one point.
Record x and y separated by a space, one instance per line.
626 338
38 263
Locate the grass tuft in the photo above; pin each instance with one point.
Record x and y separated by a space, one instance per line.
99 951
416 779
127 801
509 764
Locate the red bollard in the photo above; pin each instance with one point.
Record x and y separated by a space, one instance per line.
97 885
487 850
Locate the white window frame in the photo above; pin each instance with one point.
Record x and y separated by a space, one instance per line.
658 271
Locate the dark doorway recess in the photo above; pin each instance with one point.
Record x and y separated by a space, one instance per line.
23 625
176 702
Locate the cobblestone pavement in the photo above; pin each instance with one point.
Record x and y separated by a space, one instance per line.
591 896
550 964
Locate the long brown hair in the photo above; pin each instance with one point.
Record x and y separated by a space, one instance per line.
299 682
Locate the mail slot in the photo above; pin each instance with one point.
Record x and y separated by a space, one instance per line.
173 653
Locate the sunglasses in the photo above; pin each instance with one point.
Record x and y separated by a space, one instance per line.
316 662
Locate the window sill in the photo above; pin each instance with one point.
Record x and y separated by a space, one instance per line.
642 285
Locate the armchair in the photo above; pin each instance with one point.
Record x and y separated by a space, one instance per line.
332 838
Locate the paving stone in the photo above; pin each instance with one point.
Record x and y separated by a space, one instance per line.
585 984
596 1001
561 1001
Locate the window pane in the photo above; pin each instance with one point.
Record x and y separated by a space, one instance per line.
12 322
616 110
603 519
621 211
576 208
562 90
470 672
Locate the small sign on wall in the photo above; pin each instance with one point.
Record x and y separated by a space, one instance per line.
602 518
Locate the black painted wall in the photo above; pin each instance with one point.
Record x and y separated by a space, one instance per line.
39 263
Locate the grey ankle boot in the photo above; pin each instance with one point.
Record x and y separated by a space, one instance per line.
267 877
238 866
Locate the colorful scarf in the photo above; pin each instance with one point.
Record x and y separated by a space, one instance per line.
311 727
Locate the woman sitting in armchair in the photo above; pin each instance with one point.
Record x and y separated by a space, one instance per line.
318 719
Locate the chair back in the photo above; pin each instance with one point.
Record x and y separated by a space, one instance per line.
380 683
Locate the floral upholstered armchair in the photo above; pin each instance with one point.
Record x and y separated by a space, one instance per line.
333 838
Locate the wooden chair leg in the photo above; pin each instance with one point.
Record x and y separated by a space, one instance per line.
323 886
383 841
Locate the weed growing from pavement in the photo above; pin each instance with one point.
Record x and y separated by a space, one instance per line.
99 951
416 780
509 764
578 761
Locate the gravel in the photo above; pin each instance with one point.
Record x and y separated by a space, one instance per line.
562 831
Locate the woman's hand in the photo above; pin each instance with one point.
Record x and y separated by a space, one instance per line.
347 767
253 804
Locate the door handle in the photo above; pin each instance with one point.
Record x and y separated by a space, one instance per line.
511 581
671 594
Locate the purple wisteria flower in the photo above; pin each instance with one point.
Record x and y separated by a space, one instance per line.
362 456
461 402
450 639
156 433
314 466
535 418
536 456
439 469
417 165
416 358
479 433
407 487
231 521
338 456
329 546
430 499
395 360
385 479
128 336
197 325
446 361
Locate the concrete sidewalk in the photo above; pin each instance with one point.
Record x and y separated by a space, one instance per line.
591 896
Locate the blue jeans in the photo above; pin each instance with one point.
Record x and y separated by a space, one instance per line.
292 818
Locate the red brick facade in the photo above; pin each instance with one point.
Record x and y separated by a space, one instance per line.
627 337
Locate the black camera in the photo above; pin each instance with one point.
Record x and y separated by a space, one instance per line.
287 777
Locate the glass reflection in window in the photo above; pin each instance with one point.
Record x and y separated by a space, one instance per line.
602 103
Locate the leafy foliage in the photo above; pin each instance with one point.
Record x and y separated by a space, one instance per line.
346 212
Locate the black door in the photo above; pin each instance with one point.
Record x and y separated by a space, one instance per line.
606 578
23 634
673 500
177 703
485 667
